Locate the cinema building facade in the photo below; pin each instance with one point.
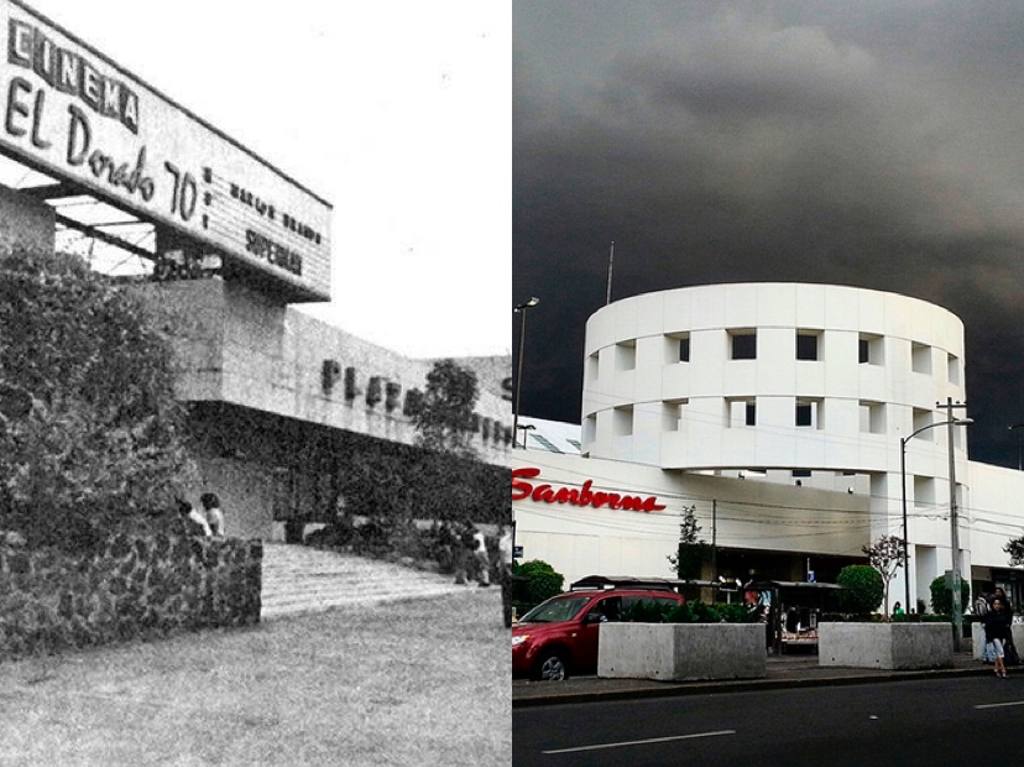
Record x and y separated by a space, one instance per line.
228 244
776 410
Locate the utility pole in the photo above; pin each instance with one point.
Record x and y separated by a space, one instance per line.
611 259
953 523
714 540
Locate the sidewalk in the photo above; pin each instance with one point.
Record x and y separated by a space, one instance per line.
783 672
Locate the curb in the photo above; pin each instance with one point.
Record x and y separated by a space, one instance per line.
707 688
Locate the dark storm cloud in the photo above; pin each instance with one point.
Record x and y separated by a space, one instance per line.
877 146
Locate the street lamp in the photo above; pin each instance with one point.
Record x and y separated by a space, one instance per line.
903 490
1020 467
521 308
525 428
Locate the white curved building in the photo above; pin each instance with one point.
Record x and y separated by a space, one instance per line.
808 388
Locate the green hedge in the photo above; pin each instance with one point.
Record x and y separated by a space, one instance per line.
690 612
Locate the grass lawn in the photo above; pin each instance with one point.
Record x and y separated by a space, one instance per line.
410 683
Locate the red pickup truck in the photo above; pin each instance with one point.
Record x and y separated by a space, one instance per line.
560 635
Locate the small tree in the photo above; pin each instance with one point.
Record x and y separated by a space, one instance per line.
444 419
862 589
886 555
689 554
942 595
1015 548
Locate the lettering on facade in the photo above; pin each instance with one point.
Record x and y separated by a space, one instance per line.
29 47
583 496
272 252
74 115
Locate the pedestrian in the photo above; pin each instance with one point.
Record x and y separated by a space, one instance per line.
193 523
214 516
482 558
505 572
1001 595
997 632
897 609
460 553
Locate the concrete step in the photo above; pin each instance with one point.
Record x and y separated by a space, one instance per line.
298 579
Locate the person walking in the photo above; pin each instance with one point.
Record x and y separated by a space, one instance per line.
214 516
997 632
460 553
897 609
505 572
483 560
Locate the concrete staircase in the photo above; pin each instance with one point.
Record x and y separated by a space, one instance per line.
299 579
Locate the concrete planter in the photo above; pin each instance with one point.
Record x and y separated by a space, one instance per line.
678 651
978 638
885 645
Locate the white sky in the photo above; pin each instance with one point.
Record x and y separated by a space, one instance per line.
398 113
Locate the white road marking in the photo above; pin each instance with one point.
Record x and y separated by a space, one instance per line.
1000 705
640 742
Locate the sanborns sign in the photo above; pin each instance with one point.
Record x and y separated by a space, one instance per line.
72 113
583 496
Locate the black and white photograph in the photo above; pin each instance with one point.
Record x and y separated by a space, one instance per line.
255 383
767 278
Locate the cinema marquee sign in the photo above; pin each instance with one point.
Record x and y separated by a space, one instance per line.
73 114
584 495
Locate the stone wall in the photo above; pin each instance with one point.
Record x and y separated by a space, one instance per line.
136 586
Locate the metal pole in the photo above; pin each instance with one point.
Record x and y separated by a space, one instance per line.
519 380
611 258
954 534
903 493
714 539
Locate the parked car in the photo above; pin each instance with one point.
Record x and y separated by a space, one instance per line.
560 636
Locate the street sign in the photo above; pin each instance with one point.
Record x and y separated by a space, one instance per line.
517 552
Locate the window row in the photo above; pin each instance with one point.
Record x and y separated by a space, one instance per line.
808 348
742 412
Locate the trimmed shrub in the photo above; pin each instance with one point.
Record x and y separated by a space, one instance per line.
863 589
535 581
942 596
688 612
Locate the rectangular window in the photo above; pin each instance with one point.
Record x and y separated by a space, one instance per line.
870 349
924 491
684 349
872 417
803 413
809 413
622 420
922 418
954 369
803 473
921 358
740 411
592 366
807 345
744 344
672 413
625 355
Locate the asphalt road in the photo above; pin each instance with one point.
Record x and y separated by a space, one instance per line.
959 721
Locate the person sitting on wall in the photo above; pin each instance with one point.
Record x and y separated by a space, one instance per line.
192 521
214 516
